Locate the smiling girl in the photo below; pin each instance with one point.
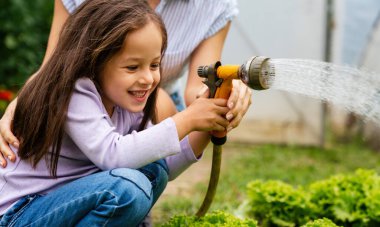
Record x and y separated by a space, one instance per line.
91 153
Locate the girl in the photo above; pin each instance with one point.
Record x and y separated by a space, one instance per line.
196 39
89 153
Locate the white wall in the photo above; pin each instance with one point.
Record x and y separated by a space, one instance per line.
278 29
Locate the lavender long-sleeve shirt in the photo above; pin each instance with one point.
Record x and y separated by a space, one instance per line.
92 142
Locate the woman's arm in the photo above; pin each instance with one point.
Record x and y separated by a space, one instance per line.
59 18
6 135
208 52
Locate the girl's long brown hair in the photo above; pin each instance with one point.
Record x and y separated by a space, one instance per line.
89 38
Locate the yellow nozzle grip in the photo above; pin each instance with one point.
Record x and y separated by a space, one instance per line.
228 71
223 92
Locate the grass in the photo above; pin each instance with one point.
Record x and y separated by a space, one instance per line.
292 164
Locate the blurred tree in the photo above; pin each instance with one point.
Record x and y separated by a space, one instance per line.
24 31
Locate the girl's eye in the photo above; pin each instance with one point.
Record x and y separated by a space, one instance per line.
155 66
132 67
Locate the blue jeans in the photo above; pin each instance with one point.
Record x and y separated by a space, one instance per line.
119 197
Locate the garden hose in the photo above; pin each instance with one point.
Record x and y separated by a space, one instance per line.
257 73
214 179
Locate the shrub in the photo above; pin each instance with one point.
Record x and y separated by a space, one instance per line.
216 218
6 97
24 32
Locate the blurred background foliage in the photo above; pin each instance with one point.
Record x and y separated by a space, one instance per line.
24 31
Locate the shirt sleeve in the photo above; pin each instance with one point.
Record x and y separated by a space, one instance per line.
181 161
226 10
91 129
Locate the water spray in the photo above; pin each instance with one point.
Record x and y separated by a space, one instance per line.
257 73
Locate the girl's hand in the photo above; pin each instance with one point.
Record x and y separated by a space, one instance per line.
208 114
238 103
202 115
6 135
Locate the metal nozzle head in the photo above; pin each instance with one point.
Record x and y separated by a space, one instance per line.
257 73
203 71
208 70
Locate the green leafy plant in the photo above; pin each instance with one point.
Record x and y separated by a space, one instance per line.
348 200
216 218
324 222
351 199
275 203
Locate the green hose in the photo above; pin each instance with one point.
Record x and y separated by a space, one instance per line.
213 183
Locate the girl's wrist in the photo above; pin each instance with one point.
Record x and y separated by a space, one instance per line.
183 123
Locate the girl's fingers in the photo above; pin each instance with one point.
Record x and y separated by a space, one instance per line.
220 102
222 121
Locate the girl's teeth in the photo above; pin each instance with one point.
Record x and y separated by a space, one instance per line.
138 94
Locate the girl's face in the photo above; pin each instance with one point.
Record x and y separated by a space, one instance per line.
131 75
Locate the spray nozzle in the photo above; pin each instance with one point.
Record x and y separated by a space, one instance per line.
257 73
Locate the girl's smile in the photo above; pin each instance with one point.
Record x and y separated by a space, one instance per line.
140 95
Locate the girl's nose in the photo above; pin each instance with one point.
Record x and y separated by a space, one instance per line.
146 77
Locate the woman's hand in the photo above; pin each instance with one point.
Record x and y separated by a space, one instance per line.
239 102
6 135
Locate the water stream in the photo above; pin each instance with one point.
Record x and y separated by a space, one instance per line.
355 90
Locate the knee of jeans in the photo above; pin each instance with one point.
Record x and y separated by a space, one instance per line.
163 178
133 183
157 174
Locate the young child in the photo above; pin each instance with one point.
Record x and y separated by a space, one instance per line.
90 154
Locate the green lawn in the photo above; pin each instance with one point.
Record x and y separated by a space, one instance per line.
292 164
